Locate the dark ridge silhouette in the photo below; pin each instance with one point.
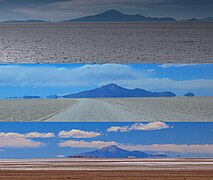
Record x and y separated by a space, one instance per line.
14 21
31 97
116 16
116 152
189 94
115 91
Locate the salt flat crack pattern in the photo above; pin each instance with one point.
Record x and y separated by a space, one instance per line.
179 42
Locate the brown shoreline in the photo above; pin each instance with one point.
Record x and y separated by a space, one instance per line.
106 175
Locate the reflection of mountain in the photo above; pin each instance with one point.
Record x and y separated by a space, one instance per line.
114 15
116 152
115 91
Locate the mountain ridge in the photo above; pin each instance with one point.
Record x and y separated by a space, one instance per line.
113 15
114 91
114 151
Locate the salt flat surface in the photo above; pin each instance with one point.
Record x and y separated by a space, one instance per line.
182 42
175 109
107 164
139 109
31 109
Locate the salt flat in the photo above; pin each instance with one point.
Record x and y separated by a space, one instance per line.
107 169
31 109
174 109
154 42
107 164
139 109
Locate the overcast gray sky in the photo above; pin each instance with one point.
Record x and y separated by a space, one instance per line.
69 9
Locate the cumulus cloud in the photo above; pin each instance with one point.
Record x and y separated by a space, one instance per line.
94 75
60 156
63 77
86 144
139 127
19 142
175 65
75 133
178 148
26 135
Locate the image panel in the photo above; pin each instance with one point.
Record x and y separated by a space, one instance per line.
93 150
116 31
106 92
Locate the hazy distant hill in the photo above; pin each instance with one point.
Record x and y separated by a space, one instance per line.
207 19
115 91
116 152
210 19
189 94
31 97
14 21
116 16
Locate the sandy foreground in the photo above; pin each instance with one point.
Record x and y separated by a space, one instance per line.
182 42
107 169
196 109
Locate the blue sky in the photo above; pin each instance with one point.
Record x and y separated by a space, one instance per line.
49 140
69 9
44 80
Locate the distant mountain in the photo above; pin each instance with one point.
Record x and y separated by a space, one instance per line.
189 94
207 19
54 96
115 91
116 152
31 97
116 16
14 21
192 19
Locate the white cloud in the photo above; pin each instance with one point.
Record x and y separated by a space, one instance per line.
26 135
19 142
175 65
86 144
94 75
60 156
63 77
178 148
118 129
75 133
39 135
140 127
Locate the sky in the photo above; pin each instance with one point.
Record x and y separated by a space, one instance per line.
51 140
68 9
62 79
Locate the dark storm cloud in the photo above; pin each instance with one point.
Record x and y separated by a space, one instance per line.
65 9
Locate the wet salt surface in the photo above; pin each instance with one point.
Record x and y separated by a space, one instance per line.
182 42
107 164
